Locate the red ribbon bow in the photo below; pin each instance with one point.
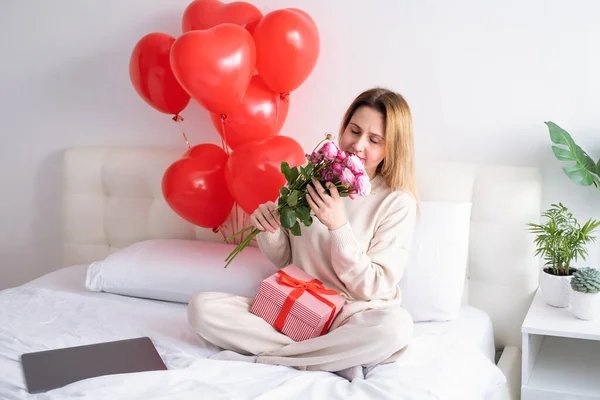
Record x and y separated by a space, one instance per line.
313 287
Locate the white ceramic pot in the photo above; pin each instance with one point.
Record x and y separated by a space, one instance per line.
585 305
556 290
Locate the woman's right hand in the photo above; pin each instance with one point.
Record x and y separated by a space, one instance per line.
266 217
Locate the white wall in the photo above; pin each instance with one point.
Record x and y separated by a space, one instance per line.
480 76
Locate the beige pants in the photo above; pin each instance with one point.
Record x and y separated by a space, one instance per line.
367 338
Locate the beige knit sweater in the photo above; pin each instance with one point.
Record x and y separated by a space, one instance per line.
363 260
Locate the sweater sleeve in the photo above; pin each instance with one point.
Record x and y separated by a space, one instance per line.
276 247
375 274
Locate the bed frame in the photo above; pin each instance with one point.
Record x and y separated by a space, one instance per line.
112 198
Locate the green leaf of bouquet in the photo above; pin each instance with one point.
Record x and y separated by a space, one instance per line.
303 172
294 173
582 172
284 191
303 213
292 198
308 222
287 217
295 229
344 194
285 169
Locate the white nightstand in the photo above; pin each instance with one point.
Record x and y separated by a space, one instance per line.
561 354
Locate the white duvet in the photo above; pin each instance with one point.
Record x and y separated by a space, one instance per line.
33 318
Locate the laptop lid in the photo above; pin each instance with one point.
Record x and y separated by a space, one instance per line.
51 369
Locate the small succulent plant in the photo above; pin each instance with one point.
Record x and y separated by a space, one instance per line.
586 280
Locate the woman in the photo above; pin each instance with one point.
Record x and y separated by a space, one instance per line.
358 247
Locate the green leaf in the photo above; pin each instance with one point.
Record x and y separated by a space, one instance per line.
310 168
308 222
287 217
562 154
559 135
598 168
295 229
303 213
294 173
284 191
285 169
582 172
580 176
292 198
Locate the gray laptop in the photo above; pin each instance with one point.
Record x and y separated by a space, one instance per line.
52 369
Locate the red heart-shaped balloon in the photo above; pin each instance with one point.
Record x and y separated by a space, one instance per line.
195 187
205 14
259 116
215 66
151 75
253 170
287 48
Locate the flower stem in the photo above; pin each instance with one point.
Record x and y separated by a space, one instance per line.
238 233
242 245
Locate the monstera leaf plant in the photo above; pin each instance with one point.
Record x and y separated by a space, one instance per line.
581 168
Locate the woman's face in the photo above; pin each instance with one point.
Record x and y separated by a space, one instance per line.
364 137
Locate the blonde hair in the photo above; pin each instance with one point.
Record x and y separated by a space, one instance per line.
398 165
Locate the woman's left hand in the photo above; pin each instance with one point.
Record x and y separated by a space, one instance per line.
328 208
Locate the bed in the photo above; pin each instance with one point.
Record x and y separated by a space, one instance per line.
112 200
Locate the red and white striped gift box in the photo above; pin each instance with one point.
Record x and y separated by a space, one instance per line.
296 304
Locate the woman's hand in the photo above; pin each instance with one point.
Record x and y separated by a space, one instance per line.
266 217
329 209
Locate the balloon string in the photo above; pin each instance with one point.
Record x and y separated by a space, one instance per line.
221 229
178 118
277 100
280 97
237 222
224 135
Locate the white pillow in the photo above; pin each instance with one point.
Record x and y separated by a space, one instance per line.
176 269
433 283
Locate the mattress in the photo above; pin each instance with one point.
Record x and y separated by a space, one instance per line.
445 360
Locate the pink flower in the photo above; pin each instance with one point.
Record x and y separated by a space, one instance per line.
337 168
363 185
328 176
329 151
314 157
347 177
341 155
354 163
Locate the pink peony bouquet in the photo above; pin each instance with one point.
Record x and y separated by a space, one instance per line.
327 163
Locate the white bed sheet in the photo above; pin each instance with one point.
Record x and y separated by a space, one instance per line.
473 326
444 361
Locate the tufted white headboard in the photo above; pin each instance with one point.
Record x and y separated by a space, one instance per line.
112 198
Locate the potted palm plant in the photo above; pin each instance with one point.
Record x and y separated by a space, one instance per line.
585 299
561 240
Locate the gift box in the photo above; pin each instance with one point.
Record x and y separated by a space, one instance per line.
296 304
